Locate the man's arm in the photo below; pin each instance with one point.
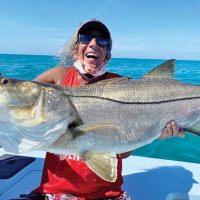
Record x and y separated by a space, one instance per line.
54 75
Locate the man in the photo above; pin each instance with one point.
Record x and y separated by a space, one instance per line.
89 50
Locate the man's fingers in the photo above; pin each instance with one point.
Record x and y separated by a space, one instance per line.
169 129
172 129
175 128
181 134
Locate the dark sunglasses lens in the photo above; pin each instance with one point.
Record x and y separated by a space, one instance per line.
85 39
102 41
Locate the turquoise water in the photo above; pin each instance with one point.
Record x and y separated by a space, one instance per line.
187 149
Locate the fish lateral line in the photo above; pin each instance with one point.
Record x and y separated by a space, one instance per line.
125 102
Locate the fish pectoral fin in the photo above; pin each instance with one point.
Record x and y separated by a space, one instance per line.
83 129
164 70
194 128
104 165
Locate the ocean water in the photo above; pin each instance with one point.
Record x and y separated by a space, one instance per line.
187 149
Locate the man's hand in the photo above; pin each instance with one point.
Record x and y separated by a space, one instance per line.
171 129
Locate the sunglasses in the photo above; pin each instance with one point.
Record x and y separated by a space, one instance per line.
101 41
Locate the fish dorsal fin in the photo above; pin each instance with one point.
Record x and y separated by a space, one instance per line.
104 165
194 128
113 80
164 70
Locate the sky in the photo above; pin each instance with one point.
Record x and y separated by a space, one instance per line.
157 29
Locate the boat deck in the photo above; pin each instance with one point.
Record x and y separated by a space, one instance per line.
144 178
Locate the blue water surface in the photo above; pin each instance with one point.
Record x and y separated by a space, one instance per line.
187 149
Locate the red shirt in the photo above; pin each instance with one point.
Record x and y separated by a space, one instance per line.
72 175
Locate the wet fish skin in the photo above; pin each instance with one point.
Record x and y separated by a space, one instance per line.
100 120
142 108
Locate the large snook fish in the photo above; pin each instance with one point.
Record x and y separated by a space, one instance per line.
95 121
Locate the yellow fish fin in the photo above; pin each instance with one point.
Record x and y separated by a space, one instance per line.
104 165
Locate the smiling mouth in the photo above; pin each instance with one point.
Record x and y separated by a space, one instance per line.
92 55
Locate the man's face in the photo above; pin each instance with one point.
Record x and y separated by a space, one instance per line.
92 55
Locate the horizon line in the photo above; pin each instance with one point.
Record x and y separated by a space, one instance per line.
22 54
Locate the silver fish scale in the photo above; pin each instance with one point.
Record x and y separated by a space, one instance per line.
134 124
142 91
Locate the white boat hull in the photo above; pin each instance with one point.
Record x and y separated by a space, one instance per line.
144 179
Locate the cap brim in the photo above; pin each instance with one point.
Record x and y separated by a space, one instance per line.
94 25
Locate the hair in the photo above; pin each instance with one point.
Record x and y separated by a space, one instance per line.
66 54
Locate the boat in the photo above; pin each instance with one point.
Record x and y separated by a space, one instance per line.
144 178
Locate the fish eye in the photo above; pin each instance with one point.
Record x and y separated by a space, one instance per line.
4 81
